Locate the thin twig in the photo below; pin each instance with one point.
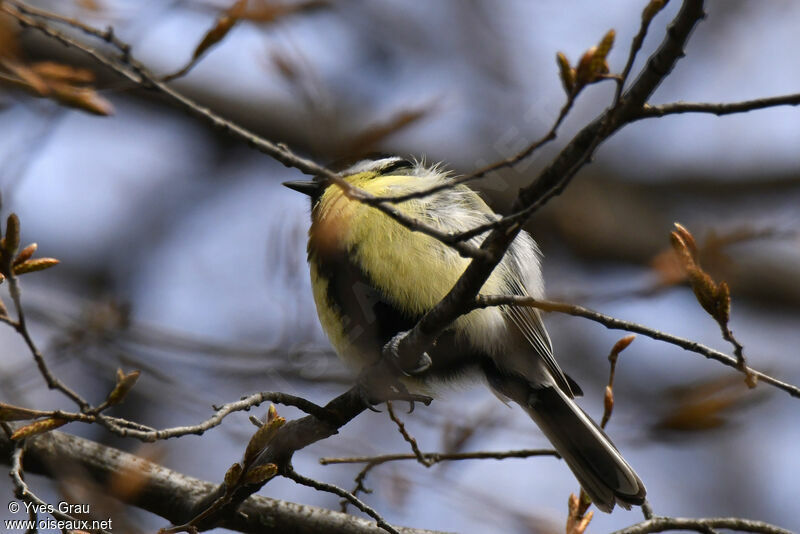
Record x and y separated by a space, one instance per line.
223 411
135 71
436 457
361 485
336 490
508 162
636 45
21 326
718 109
613 323
401 427
24 493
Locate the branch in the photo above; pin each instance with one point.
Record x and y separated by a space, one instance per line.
613 323
552 180
436 457
717 108
663 524
221 412
336 490
174 496
136 72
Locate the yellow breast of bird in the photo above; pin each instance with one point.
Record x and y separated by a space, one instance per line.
410 270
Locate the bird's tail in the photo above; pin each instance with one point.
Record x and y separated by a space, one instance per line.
597 464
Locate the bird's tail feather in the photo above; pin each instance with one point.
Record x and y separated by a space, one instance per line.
602 472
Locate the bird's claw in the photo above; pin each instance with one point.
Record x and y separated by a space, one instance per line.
391 352
390 389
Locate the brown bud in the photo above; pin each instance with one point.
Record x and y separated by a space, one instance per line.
125 383
623 344
232 475
608 400
38 264
260 474
723 304
566 72
38 427
25 254
689 240
682 250
11 243
263 435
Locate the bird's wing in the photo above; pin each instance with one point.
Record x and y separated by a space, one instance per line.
529 322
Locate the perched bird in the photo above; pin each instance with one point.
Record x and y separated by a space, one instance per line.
373 278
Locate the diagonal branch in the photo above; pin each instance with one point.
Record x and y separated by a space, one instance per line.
136 72
552 180
174 496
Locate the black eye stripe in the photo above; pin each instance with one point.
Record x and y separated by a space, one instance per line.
397 165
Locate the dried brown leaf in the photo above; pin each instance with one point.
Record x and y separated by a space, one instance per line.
372 135
131 479
24 78
702 407
50 70
84 98
9 38
221 27
267 11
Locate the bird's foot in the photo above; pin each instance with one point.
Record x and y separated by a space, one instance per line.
375 385
391 353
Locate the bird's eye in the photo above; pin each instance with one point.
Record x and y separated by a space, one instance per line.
397 165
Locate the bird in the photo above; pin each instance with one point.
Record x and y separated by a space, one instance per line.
373 278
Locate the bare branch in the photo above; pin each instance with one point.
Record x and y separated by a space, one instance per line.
649 12
136 72
552 180
23 492
618 324
336 490
436 457
174 496
401 427
718 108
664 524
221 412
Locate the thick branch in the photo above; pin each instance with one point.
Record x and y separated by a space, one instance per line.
175 496
664 524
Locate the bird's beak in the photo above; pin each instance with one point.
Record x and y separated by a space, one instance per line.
311 188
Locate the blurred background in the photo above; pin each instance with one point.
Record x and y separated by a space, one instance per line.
182 255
